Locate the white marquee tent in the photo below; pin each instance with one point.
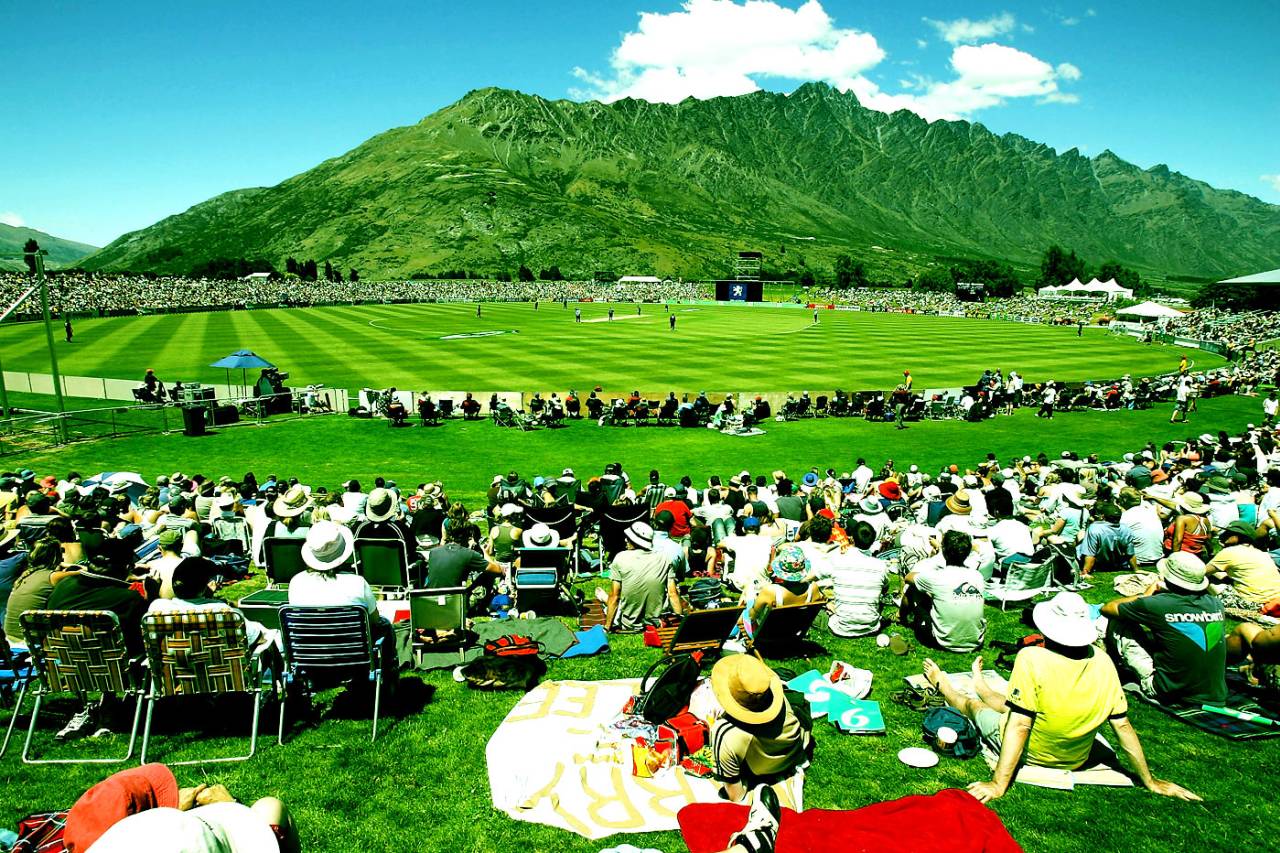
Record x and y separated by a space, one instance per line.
1149 311
1106 290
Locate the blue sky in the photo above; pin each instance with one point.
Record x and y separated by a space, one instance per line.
119 114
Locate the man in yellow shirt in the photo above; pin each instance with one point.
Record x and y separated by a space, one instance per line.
1059 697
1250 571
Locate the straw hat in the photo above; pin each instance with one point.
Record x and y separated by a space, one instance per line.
1183 570
1194 503
959 503
380 506
748 690
328 546
538 536
292 503
1065 620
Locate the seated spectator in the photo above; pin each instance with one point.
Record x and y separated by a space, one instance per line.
191 588
329 547
454 564
1248 576
1142 521
504 537
101 585
32 588
1171 636
664 544
1107 547
642 583
682 516
759 740
1010 537
751 555
1060 695
160 570
382 518
791 581
857 581
952 592
292 512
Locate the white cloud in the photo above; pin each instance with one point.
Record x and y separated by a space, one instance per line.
1069 22
8 217
1273 180
921 43
719 47
712 48
965 31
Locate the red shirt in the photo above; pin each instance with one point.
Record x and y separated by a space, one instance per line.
682 514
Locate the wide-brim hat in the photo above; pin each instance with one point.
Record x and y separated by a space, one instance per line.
1065 620
293 502
640 535
1186 571
230 827
1193 503
1238 528
870 505
748 690
1076 497
959 503
225 501
508 510
538 536
789 565
890 490
121 794
1217 486
380 506
328 545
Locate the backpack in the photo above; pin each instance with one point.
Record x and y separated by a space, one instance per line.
513 646
666 688
967 743
705 593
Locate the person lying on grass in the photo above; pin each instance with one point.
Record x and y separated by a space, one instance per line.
1059 697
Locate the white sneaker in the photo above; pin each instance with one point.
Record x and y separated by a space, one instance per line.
76 726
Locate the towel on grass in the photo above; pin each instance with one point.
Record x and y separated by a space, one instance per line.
948 820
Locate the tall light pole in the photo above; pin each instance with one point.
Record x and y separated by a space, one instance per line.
38 257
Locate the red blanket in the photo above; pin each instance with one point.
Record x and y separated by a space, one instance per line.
949 820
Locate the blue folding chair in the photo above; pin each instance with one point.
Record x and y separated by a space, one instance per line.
15 671
328 646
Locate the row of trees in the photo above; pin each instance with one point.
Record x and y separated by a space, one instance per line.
1238 297
308 271
1059 266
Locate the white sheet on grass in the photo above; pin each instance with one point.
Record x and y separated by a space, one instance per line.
545 765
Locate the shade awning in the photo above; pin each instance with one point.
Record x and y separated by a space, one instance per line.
242 359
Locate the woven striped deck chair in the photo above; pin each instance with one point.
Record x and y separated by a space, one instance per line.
80 652
200 653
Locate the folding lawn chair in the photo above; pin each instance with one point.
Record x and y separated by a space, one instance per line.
703 630
328 646
384 563
539 580
283 558
564 521
785 627
200 653
613 521
15 671
1022 582
80 652
439 610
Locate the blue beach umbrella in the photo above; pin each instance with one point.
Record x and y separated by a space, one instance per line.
244 360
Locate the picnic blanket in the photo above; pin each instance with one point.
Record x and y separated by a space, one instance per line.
1226 725
555 636
949 820
547 764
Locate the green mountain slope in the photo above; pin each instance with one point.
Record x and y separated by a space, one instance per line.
62 253
501 178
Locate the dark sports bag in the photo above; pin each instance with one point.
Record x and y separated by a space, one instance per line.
666 688
705 593
967 743
488 672
513 646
